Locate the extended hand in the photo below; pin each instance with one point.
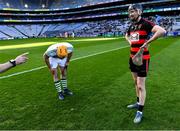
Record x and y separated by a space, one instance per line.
21 58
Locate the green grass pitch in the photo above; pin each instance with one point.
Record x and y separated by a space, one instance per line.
101 81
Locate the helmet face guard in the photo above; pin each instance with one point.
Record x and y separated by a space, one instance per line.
62 51
135 7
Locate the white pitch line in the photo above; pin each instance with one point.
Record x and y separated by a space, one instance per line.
41 67
22 72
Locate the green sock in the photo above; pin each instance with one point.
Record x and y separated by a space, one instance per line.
64 83
58 86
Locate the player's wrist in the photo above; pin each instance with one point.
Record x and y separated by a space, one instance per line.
13 62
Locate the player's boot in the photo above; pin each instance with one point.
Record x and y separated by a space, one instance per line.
138 117
61 96
68 92
133 106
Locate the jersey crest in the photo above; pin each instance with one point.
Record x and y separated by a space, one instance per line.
134 36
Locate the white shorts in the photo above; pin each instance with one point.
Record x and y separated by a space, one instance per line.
54 62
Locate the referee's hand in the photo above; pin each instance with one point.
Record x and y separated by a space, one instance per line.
21 58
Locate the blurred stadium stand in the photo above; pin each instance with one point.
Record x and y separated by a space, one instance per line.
83 18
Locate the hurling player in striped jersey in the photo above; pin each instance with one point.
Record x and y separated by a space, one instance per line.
138 37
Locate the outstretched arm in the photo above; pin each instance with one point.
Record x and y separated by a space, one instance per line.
17 61
5 66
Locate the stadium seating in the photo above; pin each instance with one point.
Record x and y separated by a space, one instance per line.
81 29
49 4
82 22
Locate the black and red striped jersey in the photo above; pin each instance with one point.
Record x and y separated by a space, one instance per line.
138 34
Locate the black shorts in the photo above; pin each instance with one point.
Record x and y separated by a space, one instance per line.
140 70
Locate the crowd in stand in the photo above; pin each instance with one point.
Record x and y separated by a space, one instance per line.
104 28
49 4
165 22
118 27
64 4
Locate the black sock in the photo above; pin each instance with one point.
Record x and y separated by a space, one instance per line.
140 108
137 99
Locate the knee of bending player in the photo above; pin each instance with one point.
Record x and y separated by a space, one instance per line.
54 72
